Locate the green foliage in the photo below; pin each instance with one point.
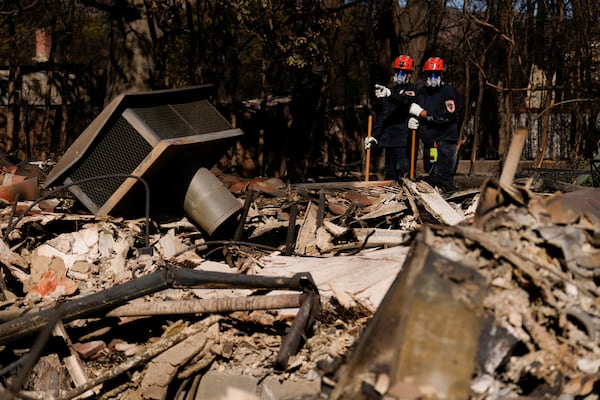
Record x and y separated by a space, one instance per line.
295 32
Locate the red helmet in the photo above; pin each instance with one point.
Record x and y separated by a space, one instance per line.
404 63
434 64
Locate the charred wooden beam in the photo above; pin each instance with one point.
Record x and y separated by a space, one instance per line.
212 305
291 231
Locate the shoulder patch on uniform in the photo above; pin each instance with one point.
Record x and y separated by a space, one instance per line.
450 106
410 93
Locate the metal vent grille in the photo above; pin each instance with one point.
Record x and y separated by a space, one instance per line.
174 121
164 137
119 151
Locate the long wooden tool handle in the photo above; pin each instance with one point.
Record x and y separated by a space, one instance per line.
368 155
413 153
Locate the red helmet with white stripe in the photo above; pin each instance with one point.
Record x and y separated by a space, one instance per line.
434 64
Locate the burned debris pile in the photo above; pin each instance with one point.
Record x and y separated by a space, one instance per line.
302 294
162 279
525 266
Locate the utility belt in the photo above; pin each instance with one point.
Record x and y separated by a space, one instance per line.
446 141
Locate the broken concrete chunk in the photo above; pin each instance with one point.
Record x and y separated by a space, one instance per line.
54 285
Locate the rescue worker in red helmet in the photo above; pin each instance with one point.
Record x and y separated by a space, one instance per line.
392 127
437 110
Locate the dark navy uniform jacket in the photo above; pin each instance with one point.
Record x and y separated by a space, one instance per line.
441 104
390 128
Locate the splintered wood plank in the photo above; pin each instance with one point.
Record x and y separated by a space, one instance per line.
382 210
334 229
308 231
433 202
381 237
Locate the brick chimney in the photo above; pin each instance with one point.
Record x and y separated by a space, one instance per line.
43 42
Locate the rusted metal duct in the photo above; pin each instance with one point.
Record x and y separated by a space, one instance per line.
165 137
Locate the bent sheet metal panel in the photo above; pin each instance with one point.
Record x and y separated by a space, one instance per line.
425 332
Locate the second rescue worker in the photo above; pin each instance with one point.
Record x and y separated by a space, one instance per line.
437 110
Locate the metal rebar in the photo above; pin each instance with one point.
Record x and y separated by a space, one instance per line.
164 278
303 319
240 228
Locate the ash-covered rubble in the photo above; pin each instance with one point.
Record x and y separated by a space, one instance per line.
537 324
535 295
